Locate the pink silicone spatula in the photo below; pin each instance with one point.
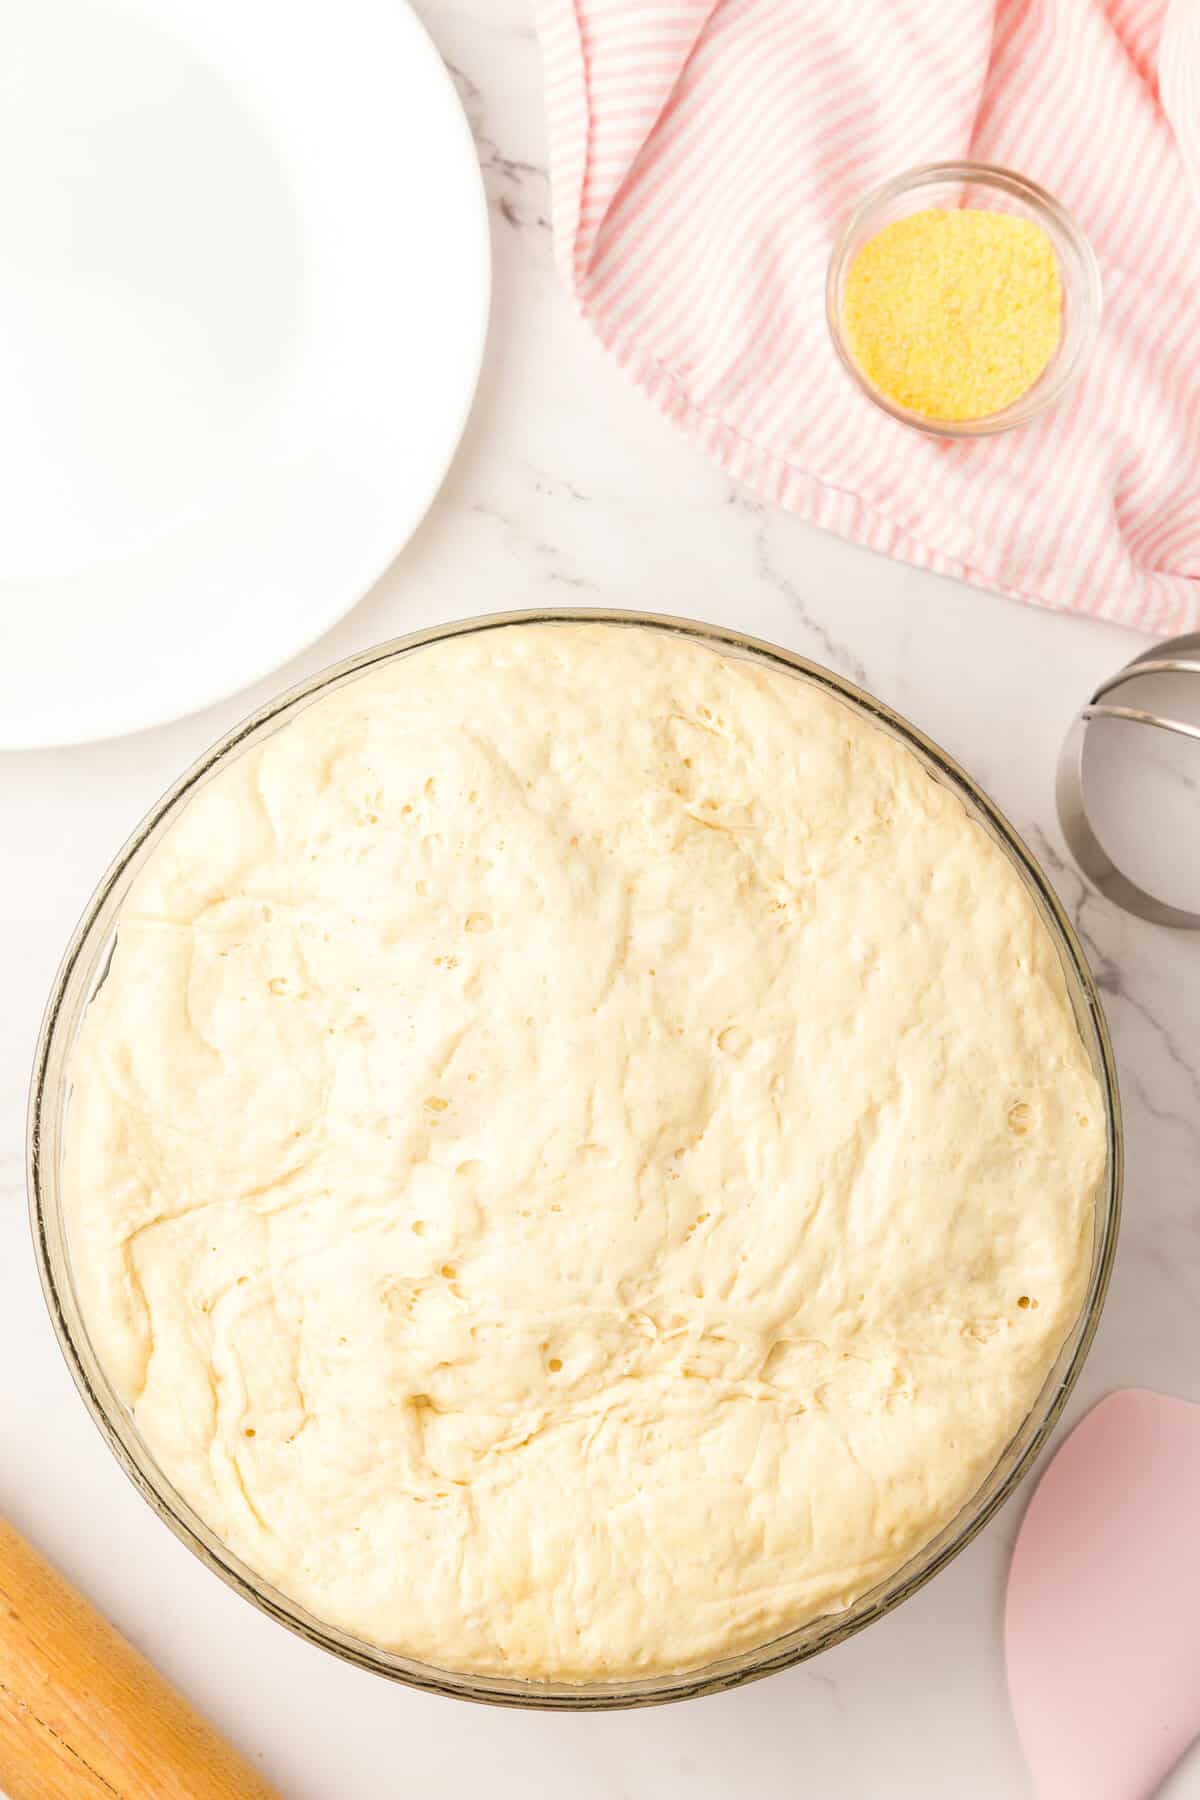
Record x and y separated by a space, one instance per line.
1103 1618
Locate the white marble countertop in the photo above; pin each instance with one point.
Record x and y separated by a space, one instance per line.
569 489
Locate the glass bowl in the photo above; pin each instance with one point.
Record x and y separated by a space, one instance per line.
83 970
958 184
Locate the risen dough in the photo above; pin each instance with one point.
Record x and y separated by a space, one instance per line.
583 1157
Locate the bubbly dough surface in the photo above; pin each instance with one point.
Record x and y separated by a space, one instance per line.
583 1158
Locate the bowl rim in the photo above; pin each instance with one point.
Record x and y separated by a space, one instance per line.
1062 228
75 983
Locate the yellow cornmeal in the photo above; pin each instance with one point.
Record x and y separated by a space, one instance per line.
954 314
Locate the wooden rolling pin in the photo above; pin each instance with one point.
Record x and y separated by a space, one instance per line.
83 1716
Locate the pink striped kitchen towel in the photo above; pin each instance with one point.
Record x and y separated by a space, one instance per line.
703 154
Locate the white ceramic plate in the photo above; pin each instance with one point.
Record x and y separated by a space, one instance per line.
244 281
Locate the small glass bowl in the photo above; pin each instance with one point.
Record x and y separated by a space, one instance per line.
960 184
